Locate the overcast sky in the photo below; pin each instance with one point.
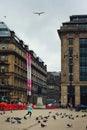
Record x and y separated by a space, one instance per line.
40 32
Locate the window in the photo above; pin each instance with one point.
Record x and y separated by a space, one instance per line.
83 41
51 86
83 25
71 34
2 58
83 59
70 40
70 51
71 90
2 82
70 68
83 89
4 46
2 68
70 60
70 77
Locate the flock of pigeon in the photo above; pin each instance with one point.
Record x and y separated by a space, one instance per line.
42 120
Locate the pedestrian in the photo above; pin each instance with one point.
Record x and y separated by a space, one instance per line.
29 110
70 106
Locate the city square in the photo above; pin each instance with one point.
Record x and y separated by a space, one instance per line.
43 65
47 119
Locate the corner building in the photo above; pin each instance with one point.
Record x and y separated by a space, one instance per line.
13 69
73 36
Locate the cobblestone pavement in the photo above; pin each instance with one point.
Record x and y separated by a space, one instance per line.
51 119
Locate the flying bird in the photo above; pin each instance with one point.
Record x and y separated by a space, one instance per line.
39 13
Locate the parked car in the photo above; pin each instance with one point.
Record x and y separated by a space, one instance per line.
80 107
52 103
50 106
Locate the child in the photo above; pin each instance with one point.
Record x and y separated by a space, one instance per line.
29 110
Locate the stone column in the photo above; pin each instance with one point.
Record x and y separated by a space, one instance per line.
77 95
63 95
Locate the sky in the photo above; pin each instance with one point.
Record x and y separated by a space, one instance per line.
40 32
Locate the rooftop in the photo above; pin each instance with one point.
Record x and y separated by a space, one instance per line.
4 30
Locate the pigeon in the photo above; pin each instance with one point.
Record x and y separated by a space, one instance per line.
69 125
61 113
43 125
37 118
45 120
54 117
39 121
57 114
40 117
18 121
0 113
84 115
50 112
46 117
62 116
72 118
8 119
13 121
77 115
17 118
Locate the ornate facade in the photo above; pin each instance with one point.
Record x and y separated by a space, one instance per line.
13 68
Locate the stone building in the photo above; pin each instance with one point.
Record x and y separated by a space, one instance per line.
73 36
38 77
53 85
13 68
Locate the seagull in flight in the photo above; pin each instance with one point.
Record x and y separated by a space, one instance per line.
39 13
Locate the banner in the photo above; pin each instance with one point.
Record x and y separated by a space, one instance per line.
28 58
